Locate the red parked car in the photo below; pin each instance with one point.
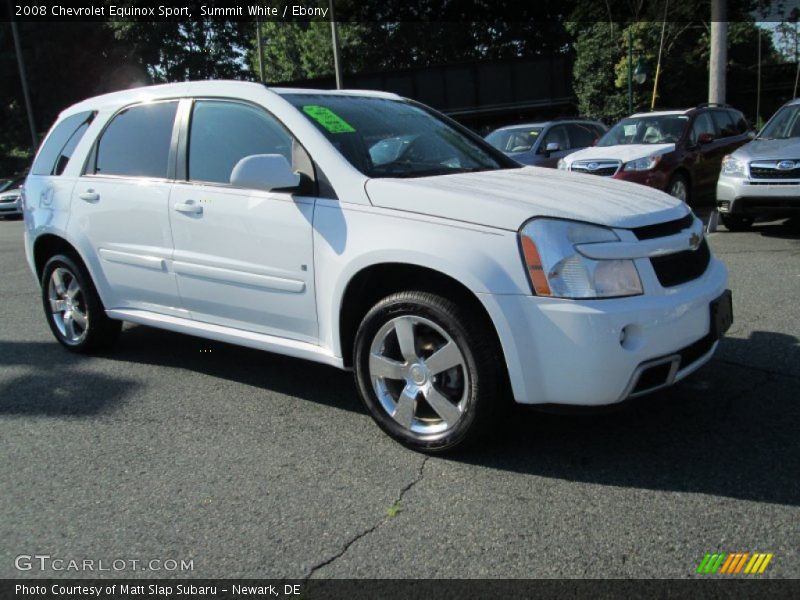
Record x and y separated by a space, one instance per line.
678 151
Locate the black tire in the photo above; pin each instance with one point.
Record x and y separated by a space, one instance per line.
736 222
677 182
99 332
474 386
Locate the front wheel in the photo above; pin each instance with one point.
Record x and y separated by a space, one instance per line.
679 187
427 370
73 309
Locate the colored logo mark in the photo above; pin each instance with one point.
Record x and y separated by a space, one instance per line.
734 563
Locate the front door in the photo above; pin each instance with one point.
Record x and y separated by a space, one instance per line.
243 258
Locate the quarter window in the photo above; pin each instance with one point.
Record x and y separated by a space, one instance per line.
137 142
222 133
60 144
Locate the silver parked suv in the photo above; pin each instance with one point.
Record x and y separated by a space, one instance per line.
762 178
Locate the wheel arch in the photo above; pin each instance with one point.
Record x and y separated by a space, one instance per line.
374 282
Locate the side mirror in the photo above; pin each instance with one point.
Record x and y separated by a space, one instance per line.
264 172
705 138
551 147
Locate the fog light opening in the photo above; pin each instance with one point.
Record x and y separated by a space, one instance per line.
630 337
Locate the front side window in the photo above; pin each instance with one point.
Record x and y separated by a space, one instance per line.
658 129
702 124
137 141
60 144
520 139
724 121
582 135
556 135
222 133
384 137
785 124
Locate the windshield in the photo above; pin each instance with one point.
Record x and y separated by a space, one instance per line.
382 137
519 139
661 129
785 124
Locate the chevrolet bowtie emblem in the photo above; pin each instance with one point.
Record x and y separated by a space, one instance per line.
694 241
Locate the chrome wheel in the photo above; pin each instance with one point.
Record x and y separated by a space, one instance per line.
419 375
68 306
679 190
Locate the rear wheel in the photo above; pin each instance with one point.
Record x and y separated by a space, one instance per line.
679 187
73 309
736 223
427 370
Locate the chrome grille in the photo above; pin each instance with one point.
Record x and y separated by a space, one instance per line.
775 169
604 168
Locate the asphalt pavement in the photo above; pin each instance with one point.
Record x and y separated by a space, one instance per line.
256 465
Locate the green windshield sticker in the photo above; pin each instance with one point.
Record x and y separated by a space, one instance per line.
328 119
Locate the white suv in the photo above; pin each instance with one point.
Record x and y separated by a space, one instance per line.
366 231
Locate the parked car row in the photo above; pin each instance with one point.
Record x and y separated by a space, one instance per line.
706 151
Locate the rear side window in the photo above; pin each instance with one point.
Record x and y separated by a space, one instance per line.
60 144
581 135
137 141
222 133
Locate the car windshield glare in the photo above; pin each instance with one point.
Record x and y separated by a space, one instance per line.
383 137
785 124
519 139
661 129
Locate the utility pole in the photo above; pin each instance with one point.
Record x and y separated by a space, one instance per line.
719 51
335 39
24 78
260 50
630 71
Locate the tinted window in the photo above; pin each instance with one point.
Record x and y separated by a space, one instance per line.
739 122
137 142
54 155
784 124
581 135
725 125
702 124
223 133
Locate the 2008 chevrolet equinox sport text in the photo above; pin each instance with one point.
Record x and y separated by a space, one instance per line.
366 231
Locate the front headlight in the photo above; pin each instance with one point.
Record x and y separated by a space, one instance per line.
733 167
555 268
562 164
642 164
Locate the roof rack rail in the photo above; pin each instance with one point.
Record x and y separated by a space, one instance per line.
708 104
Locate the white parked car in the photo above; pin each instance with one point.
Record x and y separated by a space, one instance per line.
444 274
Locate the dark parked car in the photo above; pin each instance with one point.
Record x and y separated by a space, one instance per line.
678 151
543 144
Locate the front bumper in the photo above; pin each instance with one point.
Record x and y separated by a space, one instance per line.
11 205
593 352
654 178
739 196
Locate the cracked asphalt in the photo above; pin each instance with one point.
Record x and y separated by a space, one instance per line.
256 465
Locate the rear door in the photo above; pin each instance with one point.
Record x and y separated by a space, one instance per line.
243 257
120 208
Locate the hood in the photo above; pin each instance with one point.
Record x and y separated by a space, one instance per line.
788 148
623 152
507 198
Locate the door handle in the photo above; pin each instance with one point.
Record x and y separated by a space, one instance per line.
189 207
89 196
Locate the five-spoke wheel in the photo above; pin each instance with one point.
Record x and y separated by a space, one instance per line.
74 311
426 368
